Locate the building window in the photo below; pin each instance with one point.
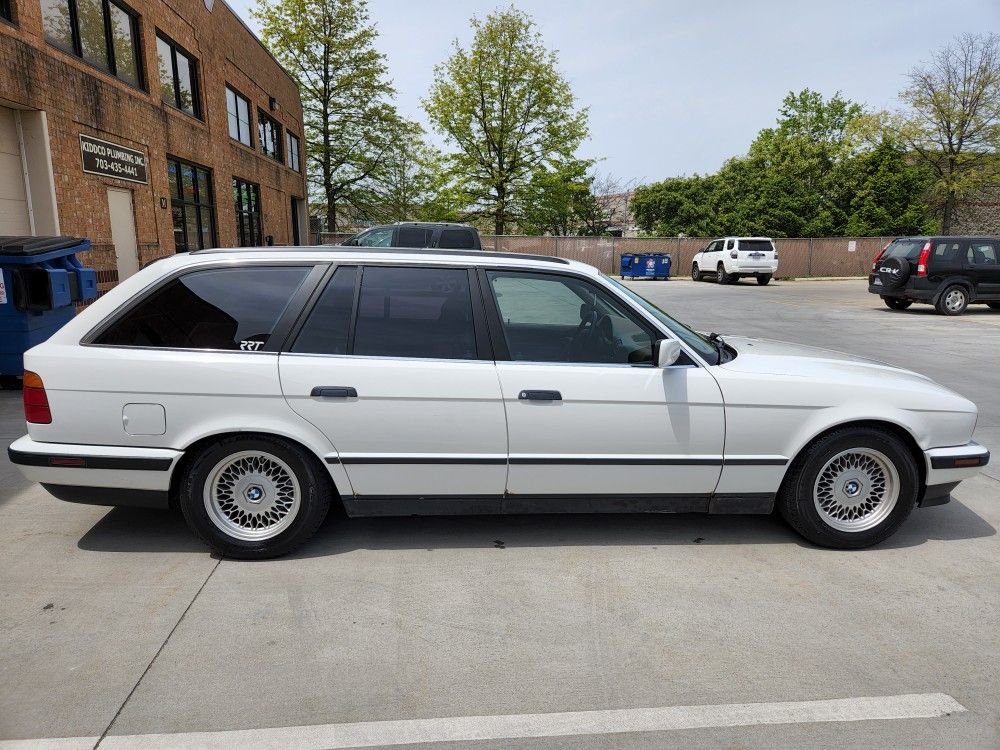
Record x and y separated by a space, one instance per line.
270 136
293 152
105 33
238 107
191 205
178 76
248 226
6 11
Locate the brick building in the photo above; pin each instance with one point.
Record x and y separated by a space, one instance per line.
149 127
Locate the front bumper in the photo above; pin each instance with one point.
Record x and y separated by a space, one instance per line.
97 474
955 463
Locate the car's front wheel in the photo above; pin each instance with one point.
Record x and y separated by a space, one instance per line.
695 273
851 488
895 303
254 496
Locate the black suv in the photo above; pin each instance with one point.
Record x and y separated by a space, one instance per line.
419 234
950 273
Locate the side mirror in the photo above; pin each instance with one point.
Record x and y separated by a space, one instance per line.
666 352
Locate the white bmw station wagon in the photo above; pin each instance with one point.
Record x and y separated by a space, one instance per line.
253 388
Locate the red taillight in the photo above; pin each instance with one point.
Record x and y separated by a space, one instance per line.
925 253
878 257
36 403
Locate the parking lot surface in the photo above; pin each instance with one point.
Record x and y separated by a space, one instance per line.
120 630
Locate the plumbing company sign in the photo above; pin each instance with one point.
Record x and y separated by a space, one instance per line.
111 160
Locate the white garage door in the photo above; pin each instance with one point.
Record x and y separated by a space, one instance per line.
13 201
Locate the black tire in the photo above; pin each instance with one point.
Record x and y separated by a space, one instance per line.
724 278
797 503
763 279
696 275
993 305
954 300
895 303
314 493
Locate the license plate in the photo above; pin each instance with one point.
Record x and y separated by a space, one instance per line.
756 255
878 281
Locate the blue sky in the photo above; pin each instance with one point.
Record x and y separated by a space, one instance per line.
676 87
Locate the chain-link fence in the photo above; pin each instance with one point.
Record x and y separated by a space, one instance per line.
827 256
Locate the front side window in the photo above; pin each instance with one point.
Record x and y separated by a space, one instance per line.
982 253
293 153
238 111
551 318
233 309
415 312
270 136
105 33
191 205
178 76
246 196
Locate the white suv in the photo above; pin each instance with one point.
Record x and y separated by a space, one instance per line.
731 258
252 388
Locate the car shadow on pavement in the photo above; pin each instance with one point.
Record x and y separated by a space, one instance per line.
133 530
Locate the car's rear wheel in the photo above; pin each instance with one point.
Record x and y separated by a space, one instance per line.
254 497
851 488
953 300
895 303
696 274
722 277
763 279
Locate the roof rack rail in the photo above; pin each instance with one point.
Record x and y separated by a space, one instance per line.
380 251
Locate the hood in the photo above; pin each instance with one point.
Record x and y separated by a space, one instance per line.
764 356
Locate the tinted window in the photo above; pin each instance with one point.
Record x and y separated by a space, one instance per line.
270 136
90 17
755 246
549 318
415 312
457 239
908 249
125 44
325 332
413 237
946 254
982 253
231 308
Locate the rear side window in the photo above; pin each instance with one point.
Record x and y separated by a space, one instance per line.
415 312
414 237
326 330
457 239
225 308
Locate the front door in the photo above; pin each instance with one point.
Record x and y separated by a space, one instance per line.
589 417
392 364
123 232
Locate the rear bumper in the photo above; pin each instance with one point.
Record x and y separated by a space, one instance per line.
952 465
754 268
904 292
98 474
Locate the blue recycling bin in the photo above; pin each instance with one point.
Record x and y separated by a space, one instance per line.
40 282
645 266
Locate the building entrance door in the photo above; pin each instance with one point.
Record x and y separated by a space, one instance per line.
123 232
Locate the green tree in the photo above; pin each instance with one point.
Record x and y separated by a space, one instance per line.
408 185
505 106
556 198
350 122
678 205
953 121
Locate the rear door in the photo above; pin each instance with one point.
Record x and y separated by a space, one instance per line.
392 364
755 254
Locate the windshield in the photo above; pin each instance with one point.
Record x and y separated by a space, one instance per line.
695 340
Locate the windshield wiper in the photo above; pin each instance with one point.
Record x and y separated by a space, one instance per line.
720 346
